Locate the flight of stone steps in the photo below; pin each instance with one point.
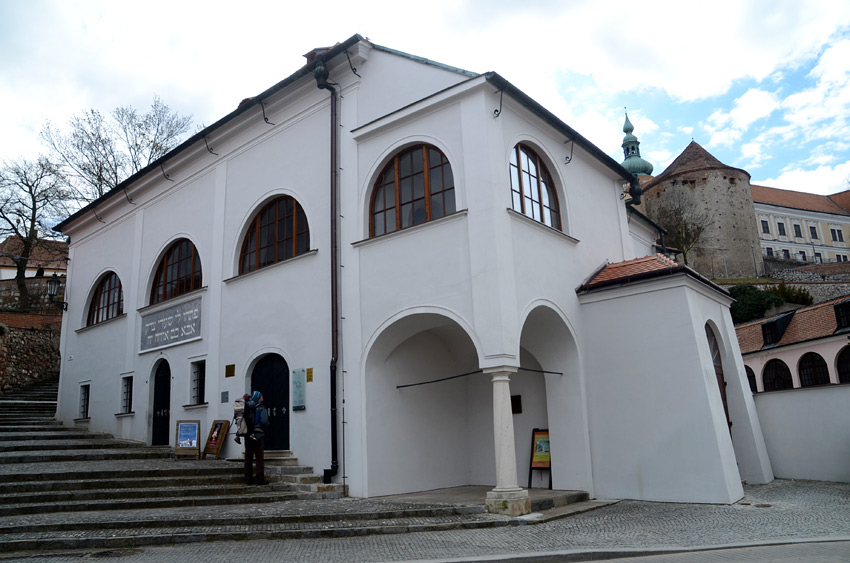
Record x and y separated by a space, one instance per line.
66 488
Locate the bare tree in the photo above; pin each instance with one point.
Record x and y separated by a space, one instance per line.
685 221
99 152
32 198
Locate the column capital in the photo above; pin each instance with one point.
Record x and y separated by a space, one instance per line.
500 370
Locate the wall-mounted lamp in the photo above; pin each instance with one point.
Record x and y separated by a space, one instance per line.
53 290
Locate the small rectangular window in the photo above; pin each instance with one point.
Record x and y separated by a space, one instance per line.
127 394
837 235
813 231
842 315
84 401
818 258
765 227
786 254
770 332
798 232
199 374
803 255
769 251
781 228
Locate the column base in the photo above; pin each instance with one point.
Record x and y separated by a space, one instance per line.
511 502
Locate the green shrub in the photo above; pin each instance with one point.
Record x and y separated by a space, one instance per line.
751 302
795 295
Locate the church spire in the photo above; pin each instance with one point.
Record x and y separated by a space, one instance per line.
633 162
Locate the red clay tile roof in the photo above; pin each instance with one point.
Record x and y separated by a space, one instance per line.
808 323
49 254
841 199
796 200
693 158
632 270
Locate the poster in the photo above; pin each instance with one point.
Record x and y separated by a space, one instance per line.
540 457
216 437
187 441
299 378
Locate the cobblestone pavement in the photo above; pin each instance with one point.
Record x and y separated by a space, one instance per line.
777 513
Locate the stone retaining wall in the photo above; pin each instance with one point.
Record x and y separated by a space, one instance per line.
29 349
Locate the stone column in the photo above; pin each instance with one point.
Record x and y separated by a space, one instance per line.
507 497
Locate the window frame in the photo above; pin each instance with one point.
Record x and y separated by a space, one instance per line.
798 231
813 232
545 210
814 371
85 402
777 375
197 382
127 394
180 284
294 240
108 286
390 190
780 227
765 227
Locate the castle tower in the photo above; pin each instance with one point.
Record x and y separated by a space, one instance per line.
718 200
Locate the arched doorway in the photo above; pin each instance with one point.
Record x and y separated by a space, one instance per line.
161 404
270 377
718 369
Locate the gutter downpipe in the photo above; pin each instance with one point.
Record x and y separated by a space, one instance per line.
320 73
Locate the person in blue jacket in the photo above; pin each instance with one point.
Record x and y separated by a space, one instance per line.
255 443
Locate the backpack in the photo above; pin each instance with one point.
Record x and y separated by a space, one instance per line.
243 418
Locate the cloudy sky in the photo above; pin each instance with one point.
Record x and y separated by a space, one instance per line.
764 85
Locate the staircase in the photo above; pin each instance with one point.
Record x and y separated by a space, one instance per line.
67 488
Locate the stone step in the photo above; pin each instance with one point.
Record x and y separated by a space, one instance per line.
12 488
51 434
97 472
75 500
83 455
66 444
111 504
192 528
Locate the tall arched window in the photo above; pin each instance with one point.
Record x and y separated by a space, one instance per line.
776 376
751 379
532 190
416 186
813 370
178 272
277 232
844 365
107 302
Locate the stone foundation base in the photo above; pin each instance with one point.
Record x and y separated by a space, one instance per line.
512 503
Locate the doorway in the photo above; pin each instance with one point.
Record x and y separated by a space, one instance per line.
270 377
718 369
161 404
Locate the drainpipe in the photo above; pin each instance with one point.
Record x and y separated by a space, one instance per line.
320 73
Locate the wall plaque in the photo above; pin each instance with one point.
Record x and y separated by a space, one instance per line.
173 325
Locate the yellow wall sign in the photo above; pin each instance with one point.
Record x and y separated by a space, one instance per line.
309 375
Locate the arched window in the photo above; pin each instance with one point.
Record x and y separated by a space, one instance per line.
813 370
277 232
532 189
416 186
844 365
776 376
107 302
178 272
751 378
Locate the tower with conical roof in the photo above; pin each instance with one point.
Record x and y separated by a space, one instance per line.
697 192
631 150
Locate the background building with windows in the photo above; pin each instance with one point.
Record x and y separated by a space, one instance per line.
798 366
400 256
802 226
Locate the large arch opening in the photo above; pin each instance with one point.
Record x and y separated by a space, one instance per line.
552 399
431 434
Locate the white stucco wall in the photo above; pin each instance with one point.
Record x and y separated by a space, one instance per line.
807 432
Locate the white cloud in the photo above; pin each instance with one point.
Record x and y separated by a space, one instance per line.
823 180
727 128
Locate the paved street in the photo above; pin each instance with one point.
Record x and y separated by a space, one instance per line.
814 517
